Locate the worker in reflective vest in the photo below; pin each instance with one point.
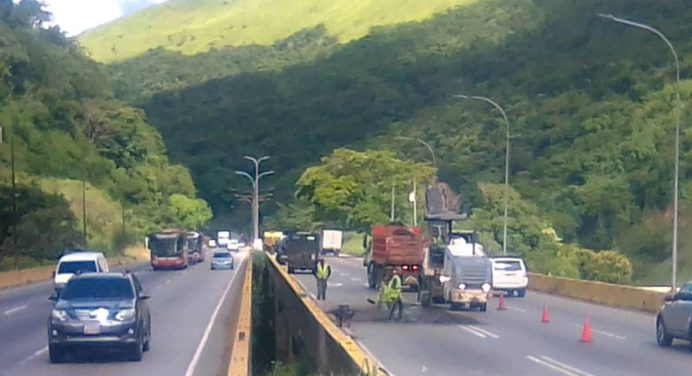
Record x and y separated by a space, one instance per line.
392 294
322 272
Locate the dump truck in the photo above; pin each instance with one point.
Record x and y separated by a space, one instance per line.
394 246
456 269
332 241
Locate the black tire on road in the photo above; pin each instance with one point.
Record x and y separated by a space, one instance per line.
483 307
147 341
662 337
57 354
291 270
522 293
136 352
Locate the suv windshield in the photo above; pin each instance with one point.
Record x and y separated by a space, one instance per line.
76 266
98 288
222 255
509 266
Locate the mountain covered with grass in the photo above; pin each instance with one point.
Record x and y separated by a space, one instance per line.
590 102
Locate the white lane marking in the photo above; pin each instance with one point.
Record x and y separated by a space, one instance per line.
607 334
558 366
355 279
198 353
486 332
13 310
334 284
522 310
475 333
34 355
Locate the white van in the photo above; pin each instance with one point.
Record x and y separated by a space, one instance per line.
78 262
509 275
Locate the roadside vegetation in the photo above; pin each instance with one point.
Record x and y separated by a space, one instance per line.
590 105
58 112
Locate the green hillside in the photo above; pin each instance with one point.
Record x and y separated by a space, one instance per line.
194 26
589 101
58 113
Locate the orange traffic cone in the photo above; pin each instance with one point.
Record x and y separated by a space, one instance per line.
586 332
501 306
545 318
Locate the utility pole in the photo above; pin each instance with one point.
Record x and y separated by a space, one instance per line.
13 191
391 212
84 211
413 199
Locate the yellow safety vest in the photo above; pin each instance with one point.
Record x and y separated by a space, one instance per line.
323 271
393 290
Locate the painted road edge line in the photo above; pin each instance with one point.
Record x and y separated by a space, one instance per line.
557 366
198 353
34 355
13 310
239 364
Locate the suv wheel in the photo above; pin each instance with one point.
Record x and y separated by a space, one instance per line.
56 354
662 337
136 351
521 293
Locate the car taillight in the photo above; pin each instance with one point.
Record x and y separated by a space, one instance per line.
415 267
405 267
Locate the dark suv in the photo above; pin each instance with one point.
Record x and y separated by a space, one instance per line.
102 310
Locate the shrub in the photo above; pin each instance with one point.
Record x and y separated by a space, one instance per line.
610 267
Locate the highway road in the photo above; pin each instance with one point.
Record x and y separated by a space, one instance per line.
185 339
512 342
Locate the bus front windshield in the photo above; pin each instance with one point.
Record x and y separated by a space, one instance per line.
164 247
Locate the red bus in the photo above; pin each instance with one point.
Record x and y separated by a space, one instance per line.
168 249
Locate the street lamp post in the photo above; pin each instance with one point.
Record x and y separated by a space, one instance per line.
427 145
676 177
255 187
506 193
414 199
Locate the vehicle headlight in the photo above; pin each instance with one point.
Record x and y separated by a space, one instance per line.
125 314
59 315
461 286
485 287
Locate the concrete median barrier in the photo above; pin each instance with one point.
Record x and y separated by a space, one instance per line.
628 297
304 333
240 363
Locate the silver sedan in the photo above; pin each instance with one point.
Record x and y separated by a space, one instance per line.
675 317
222 260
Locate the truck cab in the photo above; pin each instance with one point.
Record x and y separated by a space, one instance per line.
299 250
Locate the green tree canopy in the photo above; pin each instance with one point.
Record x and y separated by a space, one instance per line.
354 188
189 212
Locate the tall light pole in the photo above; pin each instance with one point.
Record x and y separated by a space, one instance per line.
506 198
414 199
255 187
678 103
427 145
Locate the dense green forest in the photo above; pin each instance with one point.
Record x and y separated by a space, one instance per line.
590 104
58 113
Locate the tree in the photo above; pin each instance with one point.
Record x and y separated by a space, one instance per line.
191 213
354 188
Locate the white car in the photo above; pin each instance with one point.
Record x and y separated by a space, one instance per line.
212 243
509 275
233 245
78 262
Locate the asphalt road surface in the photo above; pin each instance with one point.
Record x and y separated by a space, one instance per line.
185 339
436 341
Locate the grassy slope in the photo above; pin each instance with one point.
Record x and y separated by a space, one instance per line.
219 23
